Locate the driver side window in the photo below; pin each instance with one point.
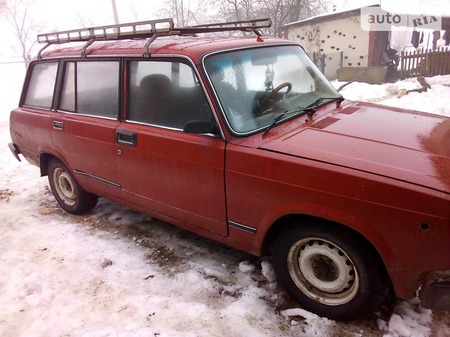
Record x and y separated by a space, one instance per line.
165 93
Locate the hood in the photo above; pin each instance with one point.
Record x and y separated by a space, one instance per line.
401 144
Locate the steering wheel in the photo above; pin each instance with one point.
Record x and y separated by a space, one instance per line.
275 91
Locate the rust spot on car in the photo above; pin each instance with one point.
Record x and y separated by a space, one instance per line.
324 123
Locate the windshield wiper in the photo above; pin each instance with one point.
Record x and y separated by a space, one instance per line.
308 110
339 98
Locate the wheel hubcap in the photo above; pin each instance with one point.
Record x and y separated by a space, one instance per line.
323 272
65 187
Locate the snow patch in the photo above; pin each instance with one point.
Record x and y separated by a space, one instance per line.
246 267
408 319
313 325
267 271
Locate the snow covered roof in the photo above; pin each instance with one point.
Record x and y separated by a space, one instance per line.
329 16
356 11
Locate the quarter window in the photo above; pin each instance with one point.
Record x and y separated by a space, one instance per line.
41 85
91 87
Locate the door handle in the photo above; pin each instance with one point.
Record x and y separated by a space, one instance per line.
128 138
57 125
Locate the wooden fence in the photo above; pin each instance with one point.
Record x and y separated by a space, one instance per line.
425 63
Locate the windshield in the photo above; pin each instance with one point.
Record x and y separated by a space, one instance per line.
255 86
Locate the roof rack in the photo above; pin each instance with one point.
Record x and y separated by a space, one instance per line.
244 26
132 30
145 29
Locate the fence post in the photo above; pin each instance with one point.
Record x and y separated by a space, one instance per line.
402 64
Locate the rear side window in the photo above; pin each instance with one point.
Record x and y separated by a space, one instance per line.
41 85
91 87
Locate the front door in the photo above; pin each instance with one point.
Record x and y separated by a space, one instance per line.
161 167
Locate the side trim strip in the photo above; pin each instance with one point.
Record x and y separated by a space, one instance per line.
87 175
242 227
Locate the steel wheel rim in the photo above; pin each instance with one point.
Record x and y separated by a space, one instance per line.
65 186
323 271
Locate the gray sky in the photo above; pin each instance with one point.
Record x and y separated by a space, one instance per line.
65 14
98 11
68 14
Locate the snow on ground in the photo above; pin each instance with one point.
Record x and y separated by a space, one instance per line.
116 272
435 100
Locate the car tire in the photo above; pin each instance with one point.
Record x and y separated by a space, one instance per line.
329 271
68 193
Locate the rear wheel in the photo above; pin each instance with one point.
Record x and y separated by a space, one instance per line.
69 195
330 272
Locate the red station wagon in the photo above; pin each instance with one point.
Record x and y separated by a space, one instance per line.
244 141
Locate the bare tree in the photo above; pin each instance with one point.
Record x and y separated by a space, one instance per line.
181 12
19 15
285 11
84 21
235 10
279 11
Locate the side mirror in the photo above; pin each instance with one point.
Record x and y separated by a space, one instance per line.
200 127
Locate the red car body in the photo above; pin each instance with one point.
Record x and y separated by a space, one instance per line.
381 172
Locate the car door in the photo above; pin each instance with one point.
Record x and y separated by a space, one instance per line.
84 126
162 168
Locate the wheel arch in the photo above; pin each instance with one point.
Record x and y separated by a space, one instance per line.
69 194
289 221
44 160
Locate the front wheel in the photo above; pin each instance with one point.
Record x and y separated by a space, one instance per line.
330 272
69 195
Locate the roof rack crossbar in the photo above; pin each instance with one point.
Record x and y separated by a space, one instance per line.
87 44
141 29
39 55
147 44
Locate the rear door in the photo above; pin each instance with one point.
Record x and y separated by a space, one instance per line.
161 167
83 130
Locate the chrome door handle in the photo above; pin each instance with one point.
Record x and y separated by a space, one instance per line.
128 138
58 125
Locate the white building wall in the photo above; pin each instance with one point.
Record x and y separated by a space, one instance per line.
332 38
